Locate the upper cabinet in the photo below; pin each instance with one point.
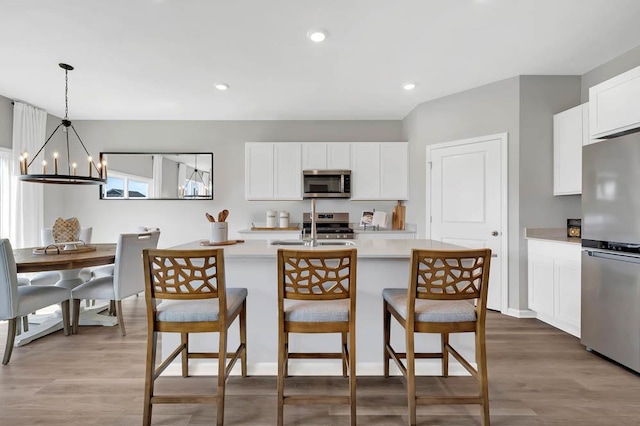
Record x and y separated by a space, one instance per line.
273 171
570 133
380 171
326 156
614 105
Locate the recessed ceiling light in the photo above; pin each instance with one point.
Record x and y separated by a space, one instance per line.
222 86
409 86
317 35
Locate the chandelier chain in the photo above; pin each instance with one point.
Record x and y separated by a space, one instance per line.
66 94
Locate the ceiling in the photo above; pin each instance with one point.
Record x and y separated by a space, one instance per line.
160 59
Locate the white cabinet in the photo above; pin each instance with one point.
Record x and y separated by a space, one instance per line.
380 171
554 283
273 171
385 235
326 156
570 133
614 105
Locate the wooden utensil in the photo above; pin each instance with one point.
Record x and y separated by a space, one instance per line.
222 216
210 218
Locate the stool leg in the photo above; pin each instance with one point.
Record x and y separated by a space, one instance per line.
152 339
352 372
445 354
243 338
282 348
184 337
481 360
386 323
222 365
286 355
411 375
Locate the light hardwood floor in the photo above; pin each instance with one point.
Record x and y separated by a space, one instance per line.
537 376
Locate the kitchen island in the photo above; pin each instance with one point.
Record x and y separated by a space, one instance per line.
381 264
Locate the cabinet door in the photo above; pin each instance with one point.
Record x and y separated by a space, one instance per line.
258 172
614 105
314 156
541 277
365 173
568 131
394 171
567 276
339 156
287 171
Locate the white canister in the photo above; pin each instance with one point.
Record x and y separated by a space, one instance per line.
219 232
272 219
284 219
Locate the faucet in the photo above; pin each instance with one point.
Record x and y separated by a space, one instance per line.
314 231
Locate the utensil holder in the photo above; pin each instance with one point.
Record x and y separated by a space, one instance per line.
219 232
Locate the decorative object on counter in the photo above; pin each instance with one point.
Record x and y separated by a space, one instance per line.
222 243
219 232
210 218
398 216
284 220
574 228
379 220
272 221
223 215
70 172
367 218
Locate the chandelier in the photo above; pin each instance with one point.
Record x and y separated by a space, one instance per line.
68 174
196 185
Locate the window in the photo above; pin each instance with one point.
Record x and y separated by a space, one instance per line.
121 185
5 191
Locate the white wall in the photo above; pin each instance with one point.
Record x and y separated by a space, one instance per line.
184 220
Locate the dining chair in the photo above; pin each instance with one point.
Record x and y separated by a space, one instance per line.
52 277
127 278
191 286
317 294
443 286
18 301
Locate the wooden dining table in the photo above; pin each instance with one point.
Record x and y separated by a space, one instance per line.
69 265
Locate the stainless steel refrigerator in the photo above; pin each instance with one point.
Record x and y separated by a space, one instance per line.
611 249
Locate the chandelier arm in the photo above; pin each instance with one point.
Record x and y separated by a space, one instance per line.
84 147
45 144
68 152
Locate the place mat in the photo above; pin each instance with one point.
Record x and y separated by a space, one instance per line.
222 243
59 249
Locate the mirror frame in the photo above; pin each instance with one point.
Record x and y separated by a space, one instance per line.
149 153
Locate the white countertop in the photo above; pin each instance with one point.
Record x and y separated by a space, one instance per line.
373 249
553 235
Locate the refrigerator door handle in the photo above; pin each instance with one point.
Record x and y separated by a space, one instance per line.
611 256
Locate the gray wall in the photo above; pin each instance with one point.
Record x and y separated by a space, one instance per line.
616 66
481 111
6 122
183 220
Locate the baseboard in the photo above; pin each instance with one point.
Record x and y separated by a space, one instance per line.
521 313
203 367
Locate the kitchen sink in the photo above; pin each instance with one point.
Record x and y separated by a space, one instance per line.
308 243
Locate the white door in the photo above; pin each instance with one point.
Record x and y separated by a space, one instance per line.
467 201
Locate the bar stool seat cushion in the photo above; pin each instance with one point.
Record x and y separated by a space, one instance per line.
429 310
33 298
316 310
199 310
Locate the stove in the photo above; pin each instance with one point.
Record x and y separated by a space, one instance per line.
329 226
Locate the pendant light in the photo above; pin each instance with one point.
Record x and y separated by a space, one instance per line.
70 173
195 180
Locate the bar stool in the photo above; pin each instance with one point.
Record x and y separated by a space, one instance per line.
442 287
191 286
317 294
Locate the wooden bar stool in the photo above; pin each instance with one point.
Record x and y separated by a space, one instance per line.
191 286
442 287
317 294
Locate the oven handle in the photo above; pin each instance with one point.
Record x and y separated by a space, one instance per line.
627 258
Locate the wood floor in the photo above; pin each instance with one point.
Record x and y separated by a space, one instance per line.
537 376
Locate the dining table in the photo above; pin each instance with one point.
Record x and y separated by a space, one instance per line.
69 263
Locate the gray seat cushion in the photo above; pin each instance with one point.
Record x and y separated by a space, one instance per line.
428 310
99 288
33 298
316 310
199 310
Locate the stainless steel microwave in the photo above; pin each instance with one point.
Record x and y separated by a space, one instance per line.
326 183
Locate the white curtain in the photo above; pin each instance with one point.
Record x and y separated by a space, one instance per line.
27 200
6 171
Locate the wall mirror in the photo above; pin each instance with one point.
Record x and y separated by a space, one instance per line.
158 176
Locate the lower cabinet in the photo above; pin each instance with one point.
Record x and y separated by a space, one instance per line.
554 283
385 235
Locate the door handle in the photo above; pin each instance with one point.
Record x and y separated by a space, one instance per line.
494 233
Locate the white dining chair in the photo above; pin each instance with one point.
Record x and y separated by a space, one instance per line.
18 301
127 278
52 277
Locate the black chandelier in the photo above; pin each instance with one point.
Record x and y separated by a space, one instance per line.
69 174
196 179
